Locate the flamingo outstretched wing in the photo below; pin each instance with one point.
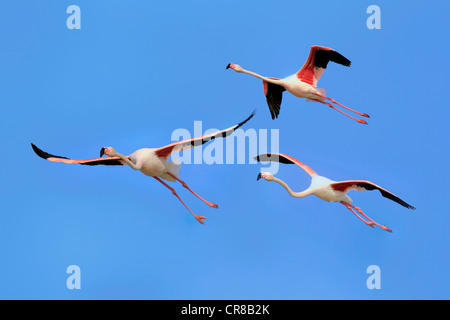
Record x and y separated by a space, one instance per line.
274 95
361 185
283 158
166 151
108 161
317 62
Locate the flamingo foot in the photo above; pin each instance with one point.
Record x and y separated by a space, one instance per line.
361 121
370 224
213 205
365 115
200 219
386 228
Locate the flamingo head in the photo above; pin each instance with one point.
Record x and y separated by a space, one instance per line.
265 175
109 151
235 67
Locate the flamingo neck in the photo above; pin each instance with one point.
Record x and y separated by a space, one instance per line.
126 160
253 74
301 194
274 81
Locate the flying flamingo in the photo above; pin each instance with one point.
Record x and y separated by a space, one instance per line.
303 84
327 189
152 162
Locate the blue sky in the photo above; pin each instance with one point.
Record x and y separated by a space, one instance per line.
137 70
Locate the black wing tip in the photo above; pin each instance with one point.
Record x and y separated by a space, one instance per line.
263 157
340 59
274 113
39 152
43 154
246 120
398 200
386 194
274 98
277 157
322 58
228 66
404 204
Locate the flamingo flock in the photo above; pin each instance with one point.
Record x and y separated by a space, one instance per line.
154 162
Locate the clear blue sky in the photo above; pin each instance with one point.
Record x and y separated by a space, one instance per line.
137 70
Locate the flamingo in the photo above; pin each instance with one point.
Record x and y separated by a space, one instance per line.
303 84
329 190
152 162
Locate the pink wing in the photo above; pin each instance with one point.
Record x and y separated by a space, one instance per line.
165 152
317 62
282 158
108 161
360 185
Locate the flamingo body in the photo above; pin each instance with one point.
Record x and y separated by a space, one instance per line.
321 188
151 165
298 88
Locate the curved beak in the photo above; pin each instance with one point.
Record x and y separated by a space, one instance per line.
102 152
259 176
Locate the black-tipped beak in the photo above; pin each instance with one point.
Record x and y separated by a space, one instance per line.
259 176
102 152
228 66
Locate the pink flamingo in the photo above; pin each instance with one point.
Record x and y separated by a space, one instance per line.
303 84
152 162
327 189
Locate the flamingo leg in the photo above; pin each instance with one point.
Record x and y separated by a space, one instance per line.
334 101
333 107
198 218
213 205
361 212
370 224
